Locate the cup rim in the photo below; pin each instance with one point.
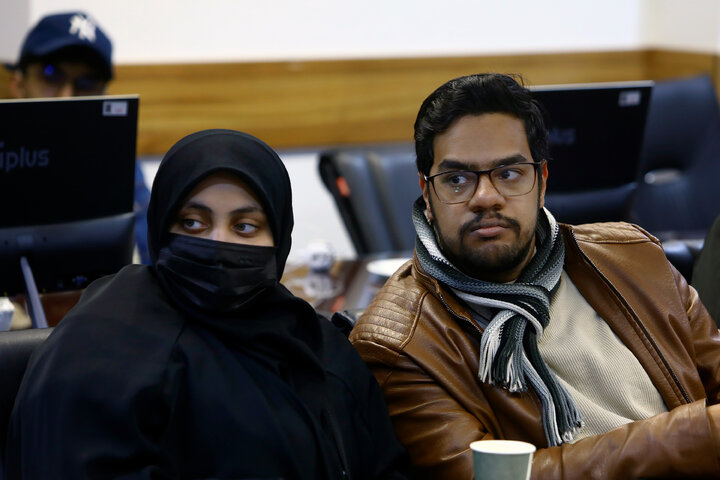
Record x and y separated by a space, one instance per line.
503 447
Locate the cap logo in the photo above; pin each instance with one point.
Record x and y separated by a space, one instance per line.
82 27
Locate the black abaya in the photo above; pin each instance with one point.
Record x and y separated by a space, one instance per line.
139 381
128 388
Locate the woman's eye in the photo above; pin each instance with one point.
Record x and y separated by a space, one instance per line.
246 228
191 224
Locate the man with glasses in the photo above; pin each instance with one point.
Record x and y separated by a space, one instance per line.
69 55
64 55
582 340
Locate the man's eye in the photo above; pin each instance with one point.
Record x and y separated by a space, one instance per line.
509 173
53 75
456 179
88 84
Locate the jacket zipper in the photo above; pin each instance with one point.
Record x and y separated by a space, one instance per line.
635 317
457 315
432 282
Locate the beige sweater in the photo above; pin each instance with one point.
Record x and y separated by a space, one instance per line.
607 382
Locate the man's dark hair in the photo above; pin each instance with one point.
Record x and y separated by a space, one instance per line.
476 95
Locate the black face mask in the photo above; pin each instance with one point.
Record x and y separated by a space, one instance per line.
215 277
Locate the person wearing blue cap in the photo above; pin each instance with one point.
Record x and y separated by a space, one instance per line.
69 55
64 55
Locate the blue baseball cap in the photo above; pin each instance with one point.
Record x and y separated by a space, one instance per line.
74 29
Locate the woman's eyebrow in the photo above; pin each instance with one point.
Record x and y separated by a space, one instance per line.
248 209
252 208
196 206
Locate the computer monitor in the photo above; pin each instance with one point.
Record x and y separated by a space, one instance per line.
596 132
67 171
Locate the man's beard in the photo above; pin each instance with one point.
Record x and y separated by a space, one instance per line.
477 262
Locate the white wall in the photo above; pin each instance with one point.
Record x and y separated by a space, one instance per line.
14 21
240 30
682 25
236 30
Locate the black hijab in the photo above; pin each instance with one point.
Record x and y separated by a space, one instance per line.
204 153
276 328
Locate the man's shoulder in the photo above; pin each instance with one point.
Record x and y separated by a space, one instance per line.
390 317
610 232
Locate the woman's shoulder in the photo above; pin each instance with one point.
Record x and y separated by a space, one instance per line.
120 318
127 284
340 359
133 295
115 348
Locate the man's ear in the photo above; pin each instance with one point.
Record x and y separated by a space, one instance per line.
16 84
544 174
425 187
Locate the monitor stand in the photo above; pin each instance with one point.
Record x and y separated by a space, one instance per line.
35 309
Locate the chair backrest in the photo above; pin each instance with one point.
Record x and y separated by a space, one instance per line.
605 205
15 350
374 190
680 161
396 178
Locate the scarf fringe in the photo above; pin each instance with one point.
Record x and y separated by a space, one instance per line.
487 357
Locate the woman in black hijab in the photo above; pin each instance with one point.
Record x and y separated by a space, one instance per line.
203 365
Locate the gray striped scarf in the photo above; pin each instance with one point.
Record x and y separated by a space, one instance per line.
509 355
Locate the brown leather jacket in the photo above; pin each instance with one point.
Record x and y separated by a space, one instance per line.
422 346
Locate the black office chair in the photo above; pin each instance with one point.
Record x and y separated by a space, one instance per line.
678 196
398 185
679 171
611 204
374 190
15 350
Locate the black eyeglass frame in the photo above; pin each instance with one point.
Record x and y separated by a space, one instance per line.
479 173
87 84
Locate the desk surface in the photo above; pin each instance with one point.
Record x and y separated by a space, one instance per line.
348 285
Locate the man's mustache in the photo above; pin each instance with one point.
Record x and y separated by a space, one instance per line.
484 220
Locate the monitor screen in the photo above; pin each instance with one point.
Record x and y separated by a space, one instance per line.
596 133
67 169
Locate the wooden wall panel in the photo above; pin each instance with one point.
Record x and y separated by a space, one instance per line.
664 64
4 82
294 104
319 103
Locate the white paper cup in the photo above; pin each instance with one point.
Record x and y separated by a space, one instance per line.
7 309
502 459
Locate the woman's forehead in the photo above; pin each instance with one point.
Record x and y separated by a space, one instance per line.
224 189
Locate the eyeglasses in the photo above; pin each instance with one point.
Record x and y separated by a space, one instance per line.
55 78
458 186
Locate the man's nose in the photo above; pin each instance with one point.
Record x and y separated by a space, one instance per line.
66 90
486 195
